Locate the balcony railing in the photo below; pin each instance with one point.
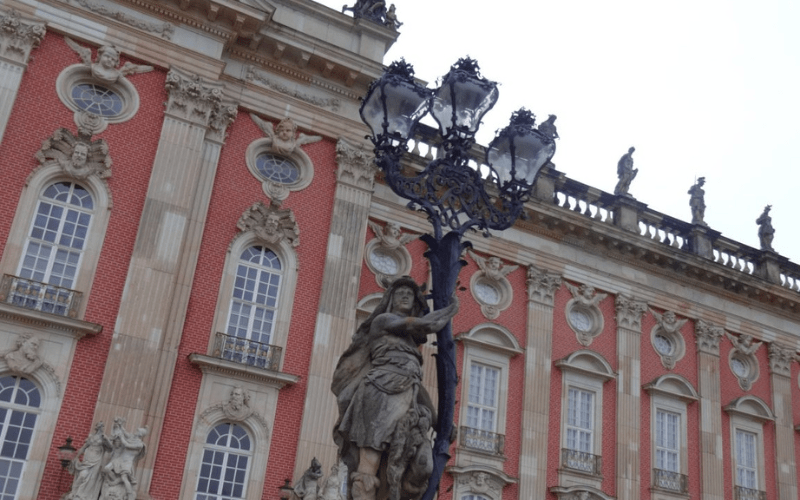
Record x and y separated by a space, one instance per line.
581 461
247 352
485 441
39 296
670 481
742 493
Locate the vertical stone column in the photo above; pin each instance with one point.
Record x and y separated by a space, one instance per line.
780 369
711 461
335 322
536 397
629 333
141 361
18 36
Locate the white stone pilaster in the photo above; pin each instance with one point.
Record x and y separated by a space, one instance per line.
141 361
629 333
335 322
711 460
18 36
780 369
536 418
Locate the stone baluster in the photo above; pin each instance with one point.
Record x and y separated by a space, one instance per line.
18 37
629 333
153 309
335 323
780 369
536 418
711 459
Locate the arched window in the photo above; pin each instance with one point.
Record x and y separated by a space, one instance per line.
226 462
253 308
19 407
54 248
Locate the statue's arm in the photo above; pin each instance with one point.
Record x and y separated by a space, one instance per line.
416 327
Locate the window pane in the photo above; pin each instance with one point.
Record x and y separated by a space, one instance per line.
225 463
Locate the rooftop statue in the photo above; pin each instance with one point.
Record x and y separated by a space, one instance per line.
385 414
697 201
765 230
375 11
104 68
548 127
626 173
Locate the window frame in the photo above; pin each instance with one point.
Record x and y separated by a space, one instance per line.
492 346
283 312
749 414
227 451
588 371
27 205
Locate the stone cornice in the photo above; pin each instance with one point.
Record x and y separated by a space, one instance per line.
781 359
242 372
18 36
356 165
629 313
542 285
708 337
73 327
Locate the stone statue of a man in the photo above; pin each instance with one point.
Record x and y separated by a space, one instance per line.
384 412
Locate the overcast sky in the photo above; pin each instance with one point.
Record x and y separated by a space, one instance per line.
700 88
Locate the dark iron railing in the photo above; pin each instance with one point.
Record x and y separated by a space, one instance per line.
485 441
581 461
671 481
39 296
247 352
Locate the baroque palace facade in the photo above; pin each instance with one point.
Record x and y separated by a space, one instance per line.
193 228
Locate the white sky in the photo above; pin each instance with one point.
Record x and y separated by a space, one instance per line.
700 87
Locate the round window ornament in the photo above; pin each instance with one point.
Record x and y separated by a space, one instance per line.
742 360
489 286
386 255
583 314
666 338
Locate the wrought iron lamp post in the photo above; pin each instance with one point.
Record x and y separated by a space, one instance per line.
455 195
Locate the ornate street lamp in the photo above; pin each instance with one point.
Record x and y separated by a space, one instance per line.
455 195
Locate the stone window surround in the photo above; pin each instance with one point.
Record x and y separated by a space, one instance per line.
41 441
80 73
220 385
589 371
490 345
749 414
494 480
288 257
20 227
671 393
297 156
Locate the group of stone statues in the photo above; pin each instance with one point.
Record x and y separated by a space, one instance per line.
104 467
626 173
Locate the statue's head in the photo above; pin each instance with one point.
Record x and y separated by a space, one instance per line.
80 153
393 229
494 263
669 317
286 129
403 286
108 57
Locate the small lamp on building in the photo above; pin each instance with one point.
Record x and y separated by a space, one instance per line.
66 453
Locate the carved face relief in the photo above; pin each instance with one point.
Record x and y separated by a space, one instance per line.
494 263
285 130
403 300
79 155
237 398
108 57
393 230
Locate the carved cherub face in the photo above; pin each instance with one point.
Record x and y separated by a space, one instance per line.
480 479
285 130
746 340
669 317
494 263
80 153
393 230
403 300
587 291
108 57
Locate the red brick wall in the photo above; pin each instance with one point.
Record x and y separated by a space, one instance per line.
37 113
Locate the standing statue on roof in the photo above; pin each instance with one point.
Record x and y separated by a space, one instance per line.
765 230
385 414
375 11
626 173
697 201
